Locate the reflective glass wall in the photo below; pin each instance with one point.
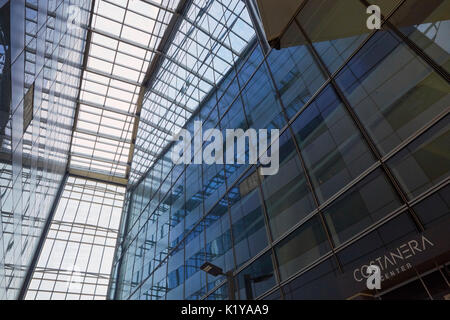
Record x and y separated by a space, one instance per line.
38 100
363 119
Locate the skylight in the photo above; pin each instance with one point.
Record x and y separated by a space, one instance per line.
124 34
210 38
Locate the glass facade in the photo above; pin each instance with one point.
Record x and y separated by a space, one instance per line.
40 69
363 117
92 93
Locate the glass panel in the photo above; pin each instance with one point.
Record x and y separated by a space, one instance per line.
227 98
195 279
214 186
318 283
297 76
393 92
427 157
435 208
178 212
78 252
159 287
302 247
361 206
5 69
175 274
331 145
256 279
219 249
261 107
246 209
335 27
194 197
220 294
248 67
287 195
427 24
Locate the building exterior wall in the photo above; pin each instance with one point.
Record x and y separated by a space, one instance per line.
364 166
46 55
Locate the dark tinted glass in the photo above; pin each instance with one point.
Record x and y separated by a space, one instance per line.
301 248
331 145
393 92
362 205
425 162
288 198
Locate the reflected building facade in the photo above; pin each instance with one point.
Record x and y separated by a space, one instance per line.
364 166
40 69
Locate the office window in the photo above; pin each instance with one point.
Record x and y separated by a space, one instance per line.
227 97
159 287
5 72
219 294
178 212
213 184
248 65
162 230
194 196
375 244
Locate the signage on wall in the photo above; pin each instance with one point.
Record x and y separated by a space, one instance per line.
396 260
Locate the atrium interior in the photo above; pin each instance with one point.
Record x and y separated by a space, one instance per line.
95 93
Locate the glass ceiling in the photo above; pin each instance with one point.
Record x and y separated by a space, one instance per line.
75 262
209 40
124 34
